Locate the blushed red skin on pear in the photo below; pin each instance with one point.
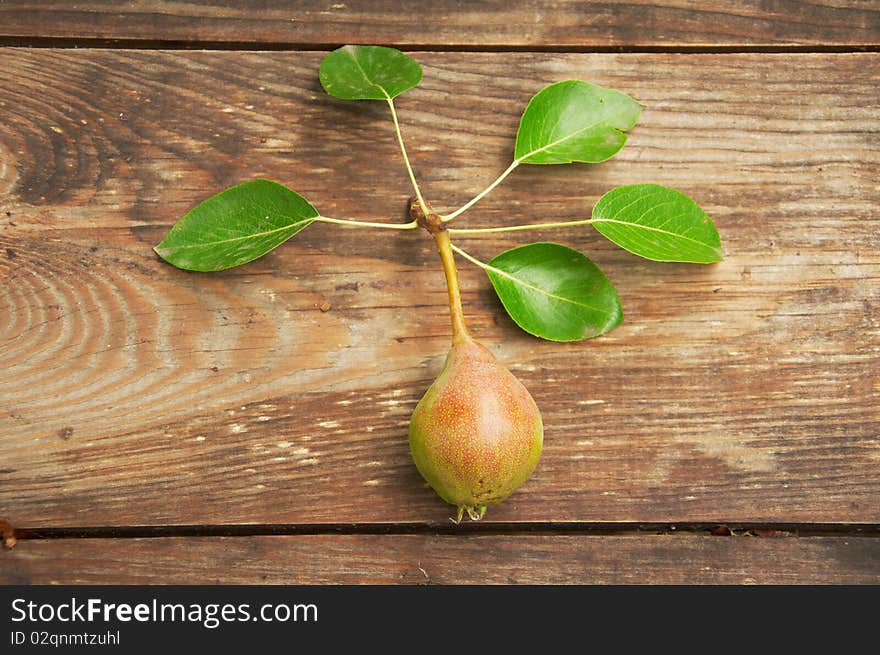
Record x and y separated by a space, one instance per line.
476 434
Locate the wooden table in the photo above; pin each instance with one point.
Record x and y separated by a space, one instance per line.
158 426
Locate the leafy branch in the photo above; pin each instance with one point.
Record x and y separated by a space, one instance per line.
549 290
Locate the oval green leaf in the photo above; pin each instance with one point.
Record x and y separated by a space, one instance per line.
368 72
574 121
236 226
657 223
554 292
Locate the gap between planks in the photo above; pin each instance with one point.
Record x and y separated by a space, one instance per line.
484 529
7 41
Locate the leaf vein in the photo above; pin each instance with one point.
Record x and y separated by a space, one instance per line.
654 229
517 280
254 235
367 77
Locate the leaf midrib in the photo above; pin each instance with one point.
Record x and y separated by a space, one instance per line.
516 280
253 235
367 77
716 249
566 138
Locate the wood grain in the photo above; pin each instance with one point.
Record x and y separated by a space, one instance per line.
447 23
426 559
133 393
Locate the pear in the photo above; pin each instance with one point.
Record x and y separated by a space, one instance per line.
476 434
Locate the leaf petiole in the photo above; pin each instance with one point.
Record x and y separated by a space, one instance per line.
470 258
412 225
412 178
484 192
517 228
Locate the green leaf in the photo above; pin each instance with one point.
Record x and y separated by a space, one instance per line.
657 223
574 121
368 72
236 226
555 292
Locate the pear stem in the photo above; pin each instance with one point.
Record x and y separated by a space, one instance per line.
444 247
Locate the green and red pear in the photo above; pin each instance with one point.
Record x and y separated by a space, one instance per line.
476 435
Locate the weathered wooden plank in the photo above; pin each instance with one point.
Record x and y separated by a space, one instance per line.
426 559
133 393
562 23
